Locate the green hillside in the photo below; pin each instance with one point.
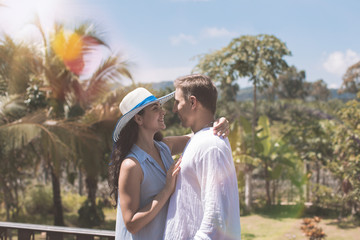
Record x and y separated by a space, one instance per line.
246 94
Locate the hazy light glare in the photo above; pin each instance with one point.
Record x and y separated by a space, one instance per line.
67 46
80 53
17 16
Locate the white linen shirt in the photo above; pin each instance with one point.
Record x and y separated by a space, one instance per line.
205 204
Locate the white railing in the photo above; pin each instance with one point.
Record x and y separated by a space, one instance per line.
27 231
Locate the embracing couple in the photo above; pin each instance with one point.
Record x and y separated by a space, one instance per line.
195 197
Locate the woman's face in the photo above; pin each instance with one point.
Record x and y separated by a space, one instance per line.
153 117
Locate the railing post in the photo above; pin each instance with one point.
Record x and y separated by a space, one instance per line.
25 234
3 233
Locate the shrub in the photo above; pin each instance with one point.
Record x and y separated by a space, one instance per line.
39 200
72 202
326 197
91 216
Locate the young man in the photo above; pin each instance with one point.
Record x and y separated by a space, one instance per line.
205 204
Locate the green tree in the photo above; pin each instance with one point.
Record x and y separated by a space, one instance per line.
101 119
291 84
17 60
51 125
240 138
307 134
275 155
259 58
64 62
215 65
319 90
346 142
12 162
351 79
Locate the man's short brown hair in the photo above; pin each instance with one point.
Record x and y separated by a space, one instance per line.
201 87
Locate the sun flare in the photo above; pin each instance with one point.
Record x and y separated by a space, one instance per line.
17 15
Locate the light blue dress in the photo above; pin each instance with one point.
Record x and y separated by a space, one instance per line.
153 182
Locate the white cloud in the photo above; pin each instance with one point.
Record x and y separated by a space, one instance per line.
217 32
150 75
338 62
177 40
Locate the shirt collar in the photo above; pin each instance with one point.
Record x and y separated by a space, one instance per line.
141 154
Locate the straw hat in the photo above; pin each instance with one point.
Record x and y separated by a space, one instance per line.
133 103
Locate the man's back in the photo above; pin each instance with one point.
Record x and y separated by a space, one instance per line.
205 203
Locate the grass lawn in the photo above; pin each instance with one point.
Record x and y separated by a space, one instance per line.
268 227
264 228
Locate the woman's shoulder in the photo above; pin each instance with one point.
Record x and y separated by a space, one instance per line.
137 154
130 163
131 170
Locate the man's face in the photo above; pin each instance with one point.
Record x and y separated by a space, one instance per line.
182 107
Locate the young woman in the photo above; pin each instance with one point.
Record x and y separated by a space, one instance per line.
142 172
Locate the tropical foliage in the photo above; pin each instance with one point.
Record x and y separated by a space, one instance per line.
351 79
56 119
45 105
260 59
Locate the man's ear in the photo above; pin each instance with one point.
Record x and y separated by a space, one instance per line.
193 102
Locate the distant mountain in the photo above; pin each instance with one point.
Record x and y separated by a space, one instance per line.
246 94
344 96
162 85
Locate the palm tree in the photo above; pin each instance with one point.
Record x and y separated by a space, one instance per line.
101 120
101 116
61 71
11 108
54 132
17 60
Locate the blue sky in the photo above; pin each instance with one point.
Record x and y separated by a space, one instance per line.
161 37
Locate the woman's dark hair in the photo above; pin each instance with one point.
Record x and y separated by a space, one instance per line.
127 138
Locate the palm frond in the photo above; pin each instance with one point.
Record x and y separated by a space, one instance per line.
21 132
79 130
57 140
99 113
111 70
91 34
16 136
11 108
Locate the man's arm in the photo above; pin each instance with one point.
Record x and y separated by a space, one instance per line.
177 144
